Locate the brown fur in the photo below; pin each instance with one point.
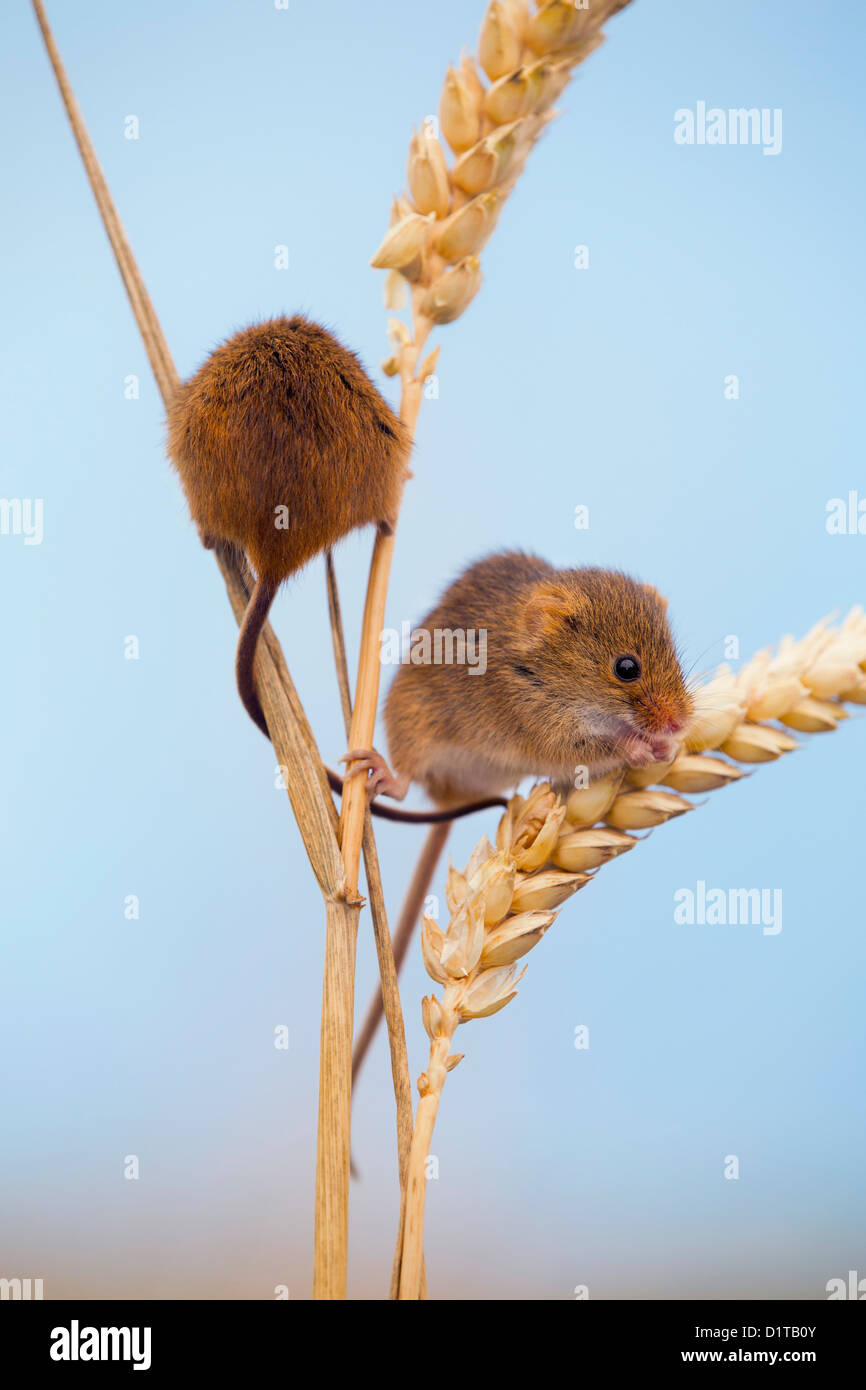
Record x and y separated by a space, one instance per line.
283 416
549 701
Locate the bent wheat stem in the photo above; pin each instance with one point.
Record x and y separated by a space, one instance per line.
296 752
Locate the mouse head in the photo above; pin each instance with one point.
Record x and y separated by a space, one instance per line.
600 642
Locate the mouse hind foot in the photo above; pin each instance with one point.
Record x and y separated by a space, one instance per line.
380 779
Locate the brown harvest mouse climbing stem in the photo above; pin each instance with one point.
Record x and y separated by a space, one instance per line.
582 678
283 446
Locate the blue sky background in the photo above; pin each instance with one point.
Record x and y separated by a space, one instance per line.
559 387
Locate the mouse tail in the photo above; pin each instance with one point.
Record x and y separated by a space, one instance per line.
255 618
384 812
378 808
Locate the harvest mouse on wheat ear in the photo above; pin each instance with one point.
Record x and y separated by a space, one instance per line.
581 673
581 676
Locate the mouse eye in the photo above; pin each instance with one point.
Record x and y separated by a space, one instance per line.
626 668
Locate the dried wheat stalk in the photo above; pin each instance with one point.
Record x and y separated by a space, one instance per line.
437 230
546 849
309 793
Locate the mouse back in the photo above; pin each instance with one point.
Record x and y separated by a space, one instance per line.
284 444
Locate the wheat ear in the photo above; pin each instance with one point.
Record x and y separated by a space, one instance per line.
504 902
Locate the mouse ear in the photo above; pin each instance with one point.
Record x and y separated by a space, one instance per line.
550 608
654 593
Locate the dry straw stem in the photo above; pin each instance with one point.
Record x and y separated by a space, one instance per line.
437 229
505 901
389 962
306 781
439 226
416 894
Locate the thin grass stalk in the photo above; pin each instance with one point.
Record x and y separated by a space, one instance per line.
305 777
410 912
388 997
412 1259
333 1143
367 685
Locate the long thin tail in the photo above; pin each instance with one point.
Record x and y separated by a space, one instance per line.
412 905
255 618
378 808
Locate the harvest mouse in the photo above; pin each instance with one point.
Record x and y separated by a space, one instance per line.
582 676
284 445
581 673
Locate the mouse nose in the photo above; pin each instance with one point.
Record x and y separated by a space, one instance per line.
661 715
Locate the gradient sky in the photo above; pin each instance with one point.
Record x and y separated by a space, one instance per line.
559 387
